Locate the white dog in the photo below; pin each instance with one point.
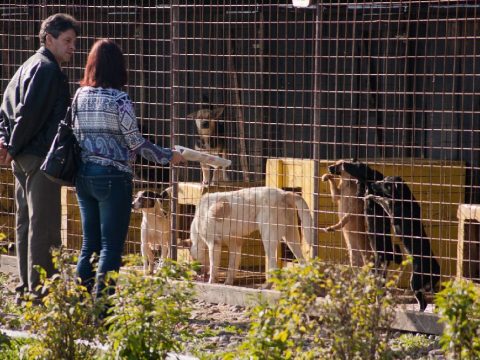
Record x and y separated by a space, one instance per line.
155 228
228 217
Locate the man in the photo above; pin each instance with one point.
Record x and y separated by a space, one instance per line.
33 104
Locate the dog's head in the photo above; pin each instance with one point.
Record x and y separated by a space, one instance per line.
147 199
337 168
340 169
392 187
362 172
206 120
198 249
357 171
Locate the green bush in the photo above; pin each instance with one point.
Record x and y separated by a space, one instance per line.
149 316
458 305
67 313
410 345
11 349
7 306
351 321
10 311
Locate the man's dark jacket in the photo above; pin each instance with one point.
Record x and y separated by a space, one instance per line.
35 101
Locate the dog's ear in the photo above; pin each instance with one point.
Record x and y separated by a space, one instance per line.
350 168
398 188
202 114
160 207
221 209
166 194
361 188
194 115
143 199
191 115
217 112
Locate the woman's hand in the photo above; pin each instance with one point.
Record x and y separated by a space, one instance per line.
177 159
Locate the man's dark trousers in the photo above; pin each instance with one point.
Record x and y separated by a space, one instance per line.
38 204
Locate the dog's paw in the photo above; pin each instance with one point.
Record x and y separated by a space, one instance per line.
202 277
326 230
326 177
421 300
159 264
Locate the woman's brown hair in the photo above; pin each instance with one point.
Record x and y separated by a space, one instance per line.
105 66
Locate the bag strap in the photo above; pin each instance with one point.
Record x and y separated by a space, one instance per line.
70 113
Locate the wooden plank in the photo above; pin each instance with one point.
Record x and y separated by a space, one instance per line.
233 295
421 322
64 216
189 192
468 243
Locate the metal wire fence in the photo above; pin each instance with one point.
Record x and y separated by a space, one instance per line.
393 84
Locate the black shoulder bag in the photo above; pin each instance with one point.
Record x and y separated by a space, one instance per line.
63 158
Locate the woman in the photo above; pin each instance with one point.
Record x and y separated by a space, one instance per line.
106 129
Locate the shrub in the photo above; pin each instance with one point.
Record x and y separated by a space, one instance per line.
12 349
10 312
6 306
67 314
458 305
411 346
352 320
148 311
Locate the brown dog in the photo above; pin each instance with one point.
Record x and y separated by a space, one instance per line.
211 139
351 214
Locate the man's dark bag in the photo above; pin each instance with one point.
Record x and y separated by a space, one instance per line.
63 158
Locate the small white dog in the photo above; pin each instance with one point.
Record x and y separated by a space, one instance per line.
228 217
155 228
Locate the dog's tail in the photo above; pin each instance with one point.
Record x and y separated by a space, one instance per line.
305 217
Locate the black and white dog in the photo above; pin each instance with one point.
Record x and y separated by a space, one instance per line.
377 220
211 138
399 203
155 229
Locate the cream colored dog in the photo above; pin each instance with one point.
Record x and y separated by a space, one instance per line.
155 228
228 217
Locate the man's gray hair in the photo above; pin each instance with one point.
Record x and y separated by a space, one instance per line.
57 24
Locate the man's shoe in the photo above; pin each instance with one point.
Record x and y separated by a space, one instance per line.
19 298
34 298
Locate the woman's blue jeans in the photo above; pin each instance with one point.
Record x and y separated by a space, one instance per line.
104 196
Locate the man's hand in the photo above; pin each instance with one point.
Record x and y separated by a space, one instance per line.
177 159
5 157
